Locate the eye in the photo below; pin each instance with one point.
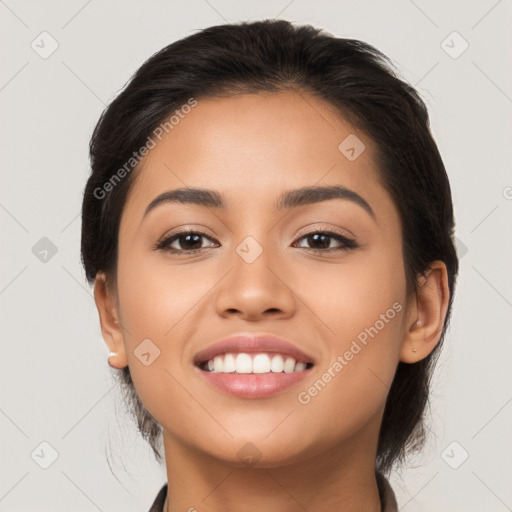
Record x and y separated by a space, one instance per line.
323 239
190 242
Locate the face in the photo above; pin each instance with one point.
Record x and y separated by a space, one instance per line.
324 274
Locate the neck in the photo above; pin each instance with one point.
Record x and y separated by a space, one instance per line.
340 479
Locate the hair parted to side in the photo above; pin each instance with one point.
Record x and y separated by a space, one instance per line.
362 85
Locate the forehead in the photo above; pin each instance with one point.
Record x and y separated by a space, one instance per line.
253 146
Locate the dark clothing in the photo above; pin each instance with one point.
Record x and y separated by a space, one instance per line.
158 504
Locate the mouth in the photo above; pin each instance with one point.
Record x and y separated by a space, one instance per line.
253 367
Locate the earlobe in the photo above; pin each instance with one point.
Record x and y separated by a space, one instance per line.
109 321
427 322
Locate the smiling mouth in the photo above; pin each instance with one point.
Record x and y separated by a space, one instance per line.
257 363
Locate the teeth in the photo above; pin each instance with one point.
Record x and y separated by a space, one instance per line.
229 363
277 364
261 364
243 363
257 363
300 366
289 365
218 362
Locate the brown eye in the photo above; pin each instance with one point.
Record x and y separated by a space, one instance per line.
321 241
187 242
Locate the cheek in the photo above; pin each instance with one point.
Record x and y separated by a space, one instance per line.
156 296
155 300
162 301
361 307
350 295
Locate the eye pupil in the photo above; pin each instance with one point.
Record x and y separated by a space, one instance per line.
188 237
316 236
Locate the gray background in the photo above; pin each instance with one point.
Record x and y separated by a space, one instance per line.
56 386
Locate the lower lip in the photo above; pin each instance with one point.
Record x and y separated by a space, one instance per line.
253 385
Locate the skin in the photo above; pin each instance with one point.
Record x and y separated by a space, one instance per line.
316 456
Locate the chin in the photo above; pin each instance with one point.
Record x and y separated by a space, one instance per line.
259 452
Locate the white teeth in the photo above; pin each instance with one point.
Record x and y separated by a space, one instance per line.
261 364
243 363
300 367
277 364
289 365
229 364
257 363
218 363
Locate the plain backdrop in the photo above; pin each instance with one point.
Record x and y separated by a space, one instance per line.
56 386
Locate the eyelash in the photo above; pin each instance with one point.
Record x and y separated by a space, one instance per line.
348 243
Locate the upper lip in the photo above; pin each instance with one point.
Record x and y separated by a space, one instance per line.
243 343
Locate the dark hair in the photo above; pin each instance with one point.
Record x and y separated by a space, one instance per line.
362 85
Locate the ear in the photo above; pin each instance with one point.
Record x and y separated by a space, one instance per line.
427 313
111 328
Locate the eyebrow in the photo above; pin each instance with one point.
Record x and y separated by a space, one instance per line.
288 199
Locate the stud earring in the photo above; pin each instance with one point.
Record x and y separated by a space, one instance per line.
112 354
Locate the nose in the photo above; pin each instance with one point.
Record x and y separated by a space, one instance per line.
255 290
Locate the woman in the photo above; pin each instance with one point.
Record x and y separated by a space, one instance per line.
269 229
